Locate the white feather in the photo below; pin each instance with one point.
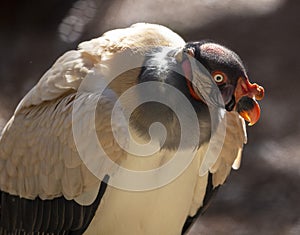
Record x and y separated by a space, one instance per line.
39 157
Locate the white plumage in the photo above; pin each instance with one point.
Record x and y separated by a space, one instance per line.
39 158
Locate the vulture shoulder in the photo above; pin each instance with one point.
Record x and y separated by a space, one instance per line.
40 131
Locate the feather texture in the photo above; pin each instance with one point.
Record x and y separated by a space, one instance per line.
58 216
41 167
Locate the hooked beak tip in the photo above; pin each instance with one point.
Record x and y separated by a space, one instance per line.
246 94
249 110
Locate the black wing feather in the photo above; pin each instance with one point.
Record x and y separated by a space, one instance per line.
61 215
90 211
209 194
58 216
46 214
54 217
39 216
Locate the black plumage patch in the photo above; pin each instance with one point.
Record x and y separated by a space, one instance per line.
230 106
160 66
58 216
245 103
209 194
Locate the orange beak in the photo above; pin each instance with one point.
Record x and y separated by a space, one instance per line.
250 115
248 108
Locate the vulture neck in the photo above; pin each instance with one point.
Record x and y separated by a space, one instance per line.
161 68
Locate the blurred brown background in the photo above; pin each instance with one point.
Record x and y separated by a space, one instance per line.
263 197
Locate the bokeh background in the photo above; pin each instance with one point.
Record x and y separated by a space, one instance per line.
263 197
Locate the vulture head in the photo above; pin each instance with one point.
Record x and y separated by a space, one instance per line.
228 72
175 67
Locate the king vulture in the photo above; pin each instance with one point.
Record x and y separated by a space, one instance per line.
128 92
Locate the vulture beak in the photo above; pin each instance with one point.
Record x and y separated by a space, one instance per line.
246 95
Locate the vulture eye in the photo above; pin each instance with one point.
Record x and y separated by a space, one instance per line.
219 77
